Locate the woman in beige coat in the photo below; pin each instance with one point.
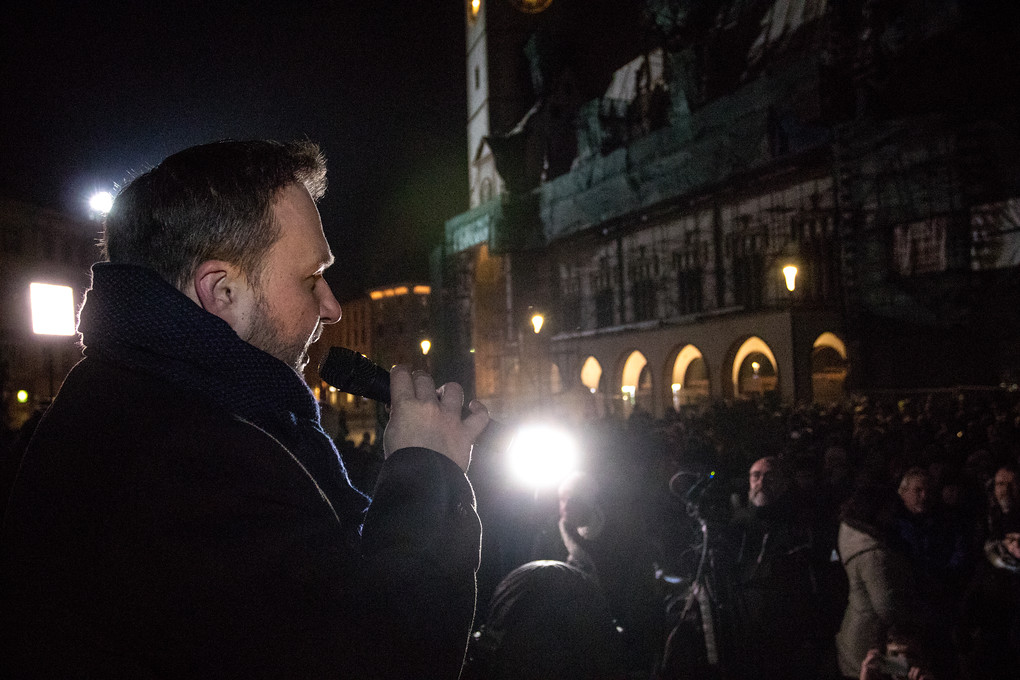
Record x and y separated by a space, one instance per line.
880 587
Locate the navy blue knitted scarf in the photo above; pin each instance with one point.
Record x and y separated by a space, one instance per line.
134 318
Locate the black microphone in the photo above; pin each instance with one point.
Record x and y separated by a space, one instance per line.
354 373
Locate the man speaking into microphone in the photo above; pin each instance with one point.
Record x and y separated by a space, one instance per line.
180 512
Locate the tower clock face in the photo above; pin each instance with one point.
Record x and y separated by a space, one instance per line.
530 6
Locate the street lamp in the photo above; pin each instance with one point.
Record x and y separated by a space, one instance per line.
536 321
101 202
426 345
790 274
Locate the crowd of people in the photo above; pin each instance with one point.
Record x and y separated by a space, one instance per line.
875 538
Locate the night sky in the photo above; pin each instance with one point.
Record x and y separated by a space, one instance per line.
97 92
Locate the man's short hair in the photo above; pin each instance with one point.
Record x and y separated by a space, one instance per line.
209 202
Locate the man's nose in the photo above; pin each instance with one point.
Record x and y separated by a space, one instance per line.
329 308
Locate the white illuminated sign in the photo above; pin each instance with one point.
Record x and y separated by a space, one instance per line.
52 309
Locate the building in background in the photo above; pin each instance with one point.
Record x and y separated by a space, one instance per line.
731 199
388 325
40 246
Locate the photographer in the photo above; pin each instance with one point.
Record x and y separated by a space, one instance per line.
903 658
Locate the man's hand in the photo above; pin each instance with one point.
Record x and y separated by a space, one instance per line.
871 667
421 415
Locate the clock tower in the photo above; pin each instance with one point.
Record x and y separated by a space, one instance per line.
499 90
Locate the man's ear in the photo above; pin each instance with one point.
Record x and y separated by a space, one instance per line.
221 289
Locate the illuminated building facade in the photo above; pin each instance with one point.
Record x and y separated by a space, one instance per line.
648 173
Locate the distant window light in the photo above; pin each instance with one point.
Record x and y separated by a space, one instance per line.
422 290
400 290
921 247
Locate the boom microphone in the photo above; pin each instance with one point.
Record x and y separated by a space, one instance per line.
354 373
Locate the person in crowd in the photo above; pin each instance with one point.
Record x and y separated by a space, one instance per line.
1004 515
937 545
903 656
990 620
547 619
772 586
602 541
835 488
180 512
881 591
938 549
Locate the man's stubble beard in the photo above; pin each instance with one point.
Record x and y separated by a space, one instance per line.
267 336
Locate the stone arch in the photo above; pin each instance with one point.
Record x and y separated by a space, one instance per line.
591 374
689 377
592 379
636 387
754 370
829 368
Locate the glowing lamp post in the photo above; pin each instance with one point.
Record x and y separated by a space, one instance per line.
101 202
790 274
426 345
536 322
52 314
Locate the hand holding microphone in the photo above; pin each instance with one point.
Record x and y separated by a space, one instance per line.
420 414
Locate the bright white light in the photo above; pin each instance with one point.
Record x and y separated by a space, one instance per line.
542 455
536 322
790 273
425 346
22 396
52 309
101 202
